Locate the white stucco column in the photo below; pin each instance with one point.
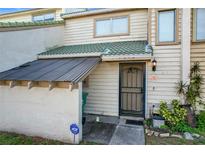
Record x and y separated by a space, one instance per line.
80 87
185 43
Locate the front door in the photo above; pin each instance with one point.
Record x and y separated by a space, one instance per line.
132 89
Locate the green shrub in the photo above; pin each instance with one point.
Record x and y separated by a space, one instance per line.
148 122
164 127
201 121
182 127
173 116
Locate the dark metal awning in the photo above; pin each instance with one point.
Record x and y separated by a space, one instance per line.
71 70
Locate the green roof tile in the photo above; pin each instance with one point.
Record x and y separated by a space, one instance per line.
26 24
110 48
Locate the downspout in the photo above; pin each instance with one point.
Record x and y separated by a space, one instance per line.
185 44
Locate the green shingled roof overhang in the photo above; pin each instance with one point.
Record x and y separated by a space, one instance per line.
28 24
107 49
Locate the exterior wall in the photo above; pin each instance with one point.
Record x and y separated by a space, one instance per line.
40 112
162 83
18 47
58 14
104 81
103 89
81 30
27 17
198 55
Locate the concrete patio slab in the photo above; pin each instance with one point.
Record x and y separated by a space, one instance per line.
128 135
98 132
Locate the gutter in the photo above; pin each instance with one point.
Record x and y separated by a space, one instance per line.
94 54
97 54
127 57
16 26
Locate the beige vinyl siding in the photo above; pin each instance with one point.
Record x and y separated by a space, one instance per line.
198 55
17 18
103 90
27 17
168 72
58 13
81 30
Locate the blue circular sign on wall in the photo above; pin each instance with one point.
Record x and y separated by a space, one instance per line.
74 129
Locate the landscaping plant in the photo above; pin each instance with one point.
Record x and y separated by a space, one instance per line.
201 121
148 122
174 115
191 93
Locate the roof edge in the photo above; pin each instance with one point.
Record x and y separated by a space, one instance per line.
94 12
146 56
32 10
6 26
94 54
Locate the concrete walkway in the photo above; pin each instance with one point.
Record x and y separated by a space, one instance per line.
128 135
98 132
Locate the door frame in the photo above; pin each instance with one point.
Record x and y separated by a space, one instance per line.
145 85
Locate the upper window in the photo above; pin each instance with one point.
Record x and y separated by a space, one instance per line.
166 26
111 26
200 24
44 17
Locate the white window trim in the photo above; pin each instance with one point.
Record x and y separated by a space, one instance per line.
111 19
176 35
194 33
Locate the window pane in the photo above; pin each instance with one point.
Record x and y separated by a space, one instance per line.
166 26
103 27
49 17
200 24
120 25
38 18
44 17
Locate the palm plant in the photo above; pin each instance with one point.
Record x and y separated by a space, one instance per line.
191 92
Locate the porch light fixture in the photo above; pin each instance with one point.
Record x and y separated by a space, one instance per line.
154 64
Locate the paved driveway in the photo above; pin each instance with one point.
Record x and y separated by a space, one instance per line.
121 134
128 135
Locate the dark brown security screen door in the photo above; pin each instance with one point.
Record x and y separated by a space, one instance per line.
132 89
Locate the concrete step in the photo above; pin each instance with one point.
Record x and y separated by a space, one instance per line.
128 135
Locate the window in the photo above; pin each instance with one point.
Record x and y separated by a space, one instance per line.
200 24
111 26
167 26
44 17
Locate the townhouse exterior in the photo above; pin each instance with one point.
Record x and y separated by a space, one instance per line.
32 15
38 14
127 60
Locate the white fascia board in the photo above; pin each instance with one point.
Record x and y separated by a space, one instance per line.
94 54
127 57
94 12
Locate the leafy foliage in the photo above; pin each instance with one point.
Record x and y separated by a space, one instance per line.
182 127
192 92
201 121
148 122
164 127
173 116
